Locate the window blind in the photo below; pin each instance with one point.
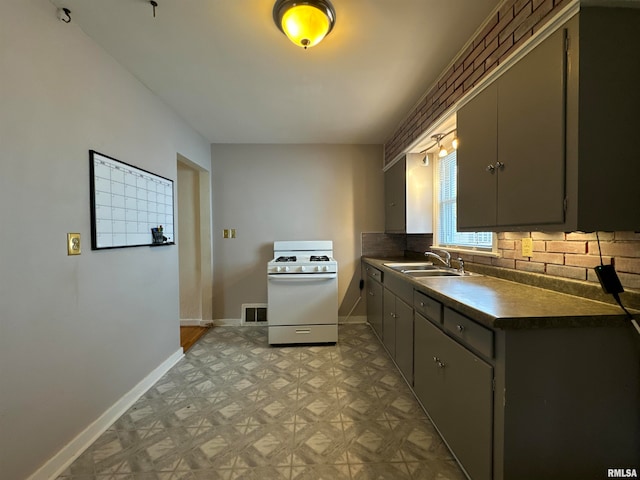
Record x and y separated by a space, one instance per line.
447 221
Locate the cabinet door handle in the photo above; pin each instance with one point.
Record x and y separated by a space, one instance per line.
460 328
500 165
441 364
372 294
392 204
490 168
436 359
422 304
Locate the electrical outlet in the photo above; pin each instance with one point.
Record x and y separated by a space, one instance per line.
73 244
225 233
527 247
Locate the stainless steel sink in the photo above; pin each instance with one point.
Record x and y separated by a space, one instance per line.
402 267
426 270
439 272
432 273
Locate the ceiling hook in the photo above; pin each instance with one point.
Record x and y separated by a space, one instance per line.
64 15
154 4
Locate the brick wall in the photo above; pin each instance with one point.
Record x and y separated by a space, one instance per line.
570 255
505 31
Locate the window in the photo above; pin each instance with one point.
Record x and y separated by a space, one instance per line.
446 193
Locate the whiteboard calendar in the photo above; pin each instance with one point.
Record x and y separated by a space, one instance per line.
129 206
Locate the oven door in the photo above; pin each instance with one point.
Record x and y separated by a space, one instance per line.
302 299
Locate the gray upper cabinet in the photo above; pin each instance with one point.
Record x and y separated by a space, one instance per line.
408 192
394 198
552 144
511 155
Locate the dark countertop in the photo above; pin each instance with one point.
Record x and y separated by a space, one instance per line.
504 304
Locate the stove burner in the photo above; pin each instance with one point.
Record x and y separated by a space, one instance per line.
286 259
319 258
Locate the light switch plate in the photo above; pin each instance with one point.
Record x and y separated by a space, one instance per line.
73 244
527 247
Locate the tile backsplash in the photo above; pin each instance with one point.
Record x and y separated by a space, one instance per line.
394 244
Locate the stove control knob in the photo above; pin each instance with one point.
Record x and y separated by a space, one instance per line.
286 269
326 269
319 268
278 269
302 269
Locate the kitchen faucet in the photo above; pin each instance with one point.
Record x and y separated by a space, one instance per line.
446 260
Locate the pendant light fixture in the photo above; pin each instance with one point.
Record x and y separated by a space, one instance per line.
442 152
305 22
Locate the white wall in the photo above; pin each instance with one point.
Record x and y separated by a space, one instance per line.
290 192
76 333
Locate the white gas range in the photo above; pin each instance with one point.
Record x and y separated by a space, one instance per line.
302 293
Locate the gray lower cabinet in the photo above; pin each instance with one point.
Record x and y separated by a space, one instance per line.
389 322
517 403
398 333
456 388
404 339
374 291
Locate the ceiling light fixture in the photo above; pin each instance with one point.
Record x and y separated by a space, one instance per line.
305 22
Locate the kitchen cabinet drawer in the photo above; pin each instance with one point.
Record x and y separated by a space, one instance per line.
469 332
427 307
303 333
374 273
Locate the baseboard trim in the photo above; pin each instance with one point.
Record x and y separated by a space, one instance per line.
65 457
194 322
227 322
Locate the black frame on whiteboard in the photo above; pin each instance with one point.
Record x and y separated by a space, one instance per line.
128 204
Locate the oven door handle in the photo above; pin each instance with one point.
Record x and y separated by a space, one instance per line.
302 277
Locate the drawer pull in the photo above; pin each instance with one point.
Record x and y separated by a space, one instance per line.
422 304
305 331
460 328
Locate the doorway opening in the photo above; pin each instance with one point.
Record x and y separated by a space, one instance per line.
194 244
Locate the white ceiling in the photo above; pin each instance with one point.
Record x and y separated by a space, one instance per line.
234 77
